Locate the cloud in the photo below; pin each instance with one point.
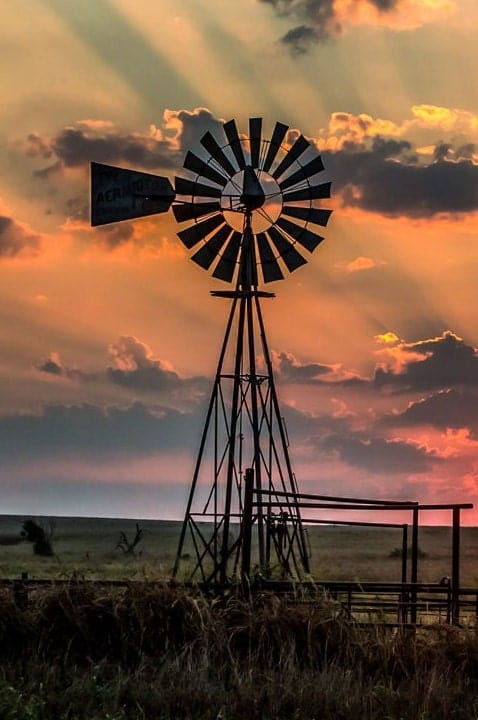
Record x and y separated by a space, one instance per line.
116 235
17 239
373 166
387 178
188 127
440 362
345 128
96 432
378 455
133 367
322 20
362 263
75 147
300 38
452 408
290 370
163 146
443 118
53 366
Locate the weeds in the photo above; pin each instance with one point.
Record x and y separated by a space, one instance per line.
166 652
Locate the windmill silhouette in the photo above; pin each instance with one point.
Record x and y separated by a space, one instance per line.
249 205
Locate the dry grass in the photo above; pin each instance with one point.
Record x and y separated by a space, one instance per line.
160 652
164 652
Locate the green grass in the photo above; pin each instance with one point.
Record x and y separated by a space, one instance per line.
87 547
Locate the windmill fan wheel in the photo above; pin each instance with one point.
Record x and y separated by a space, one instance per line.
269 186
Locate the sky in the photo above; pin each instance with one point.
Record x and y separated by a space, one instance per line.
110 337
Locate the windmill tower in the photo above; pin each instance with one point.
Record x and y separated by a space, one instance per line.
249 206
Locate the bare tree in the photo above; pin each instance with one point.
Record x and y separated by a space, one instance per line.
127 547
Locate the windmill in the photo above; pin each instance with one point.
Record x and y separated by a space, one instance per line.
249 211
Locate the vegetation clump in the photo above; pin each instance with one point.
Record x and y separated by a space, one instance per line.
38 536
160 651
397 552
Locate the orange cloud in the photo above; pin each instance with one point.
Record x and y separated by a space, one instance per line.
400 15
362 263
447 119
17 239
346 127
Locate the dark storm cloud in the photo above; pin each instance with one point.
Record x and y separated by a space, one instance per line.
384 5
319 20
465 152
445 409
193 126
17 240
134 367
376 455
99 432
75 147
113 236
53 366
327 435
292 371
447 361
386 178
300 38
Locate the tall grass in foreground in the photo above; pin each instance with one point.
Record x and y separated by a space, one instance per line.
161 652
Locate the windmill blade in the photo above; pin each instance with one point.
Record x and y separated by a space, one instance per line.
227 264
318 216
192 211
305 237
274 145
255 129
209 252
311 192
235 143
192 235
296 150
184 186
270 267
209 142
304 173
292 258
195 164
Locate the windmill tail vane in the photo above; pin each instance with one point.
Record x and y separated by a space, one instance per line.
249 215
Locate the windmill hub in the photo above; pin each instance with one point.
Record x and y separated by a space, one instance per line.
253 195
268 186
260 196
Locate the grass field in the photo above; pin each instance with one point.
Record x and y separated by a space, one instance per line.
87 547
87 652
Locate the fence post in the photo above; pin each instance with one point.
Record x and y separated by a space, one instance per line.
247 526
455 568
414 569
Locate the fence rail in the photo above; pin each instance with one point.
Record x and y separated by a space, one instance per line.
381 602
